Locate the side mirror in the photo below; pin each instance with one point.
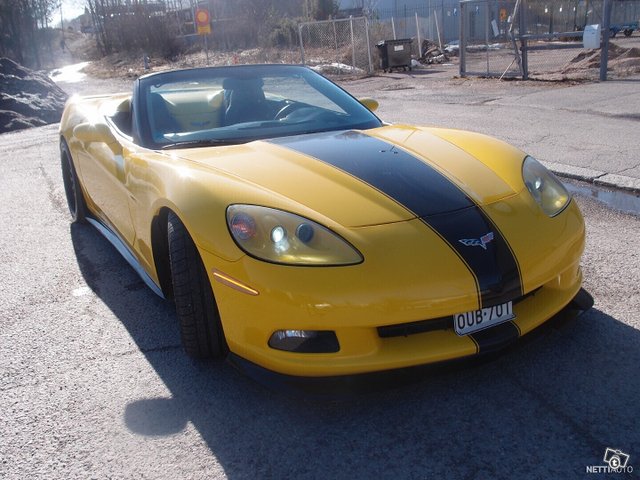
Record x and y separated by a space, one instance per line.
370 103
99 133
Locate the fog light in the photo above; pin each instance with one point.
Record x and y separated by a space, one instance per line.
305 341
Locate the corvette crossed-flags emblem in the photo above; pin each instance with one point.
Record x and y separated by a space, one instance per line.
477 242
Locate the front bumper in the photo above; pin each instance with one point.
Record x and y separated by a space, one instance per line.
409 275
366 382
363 348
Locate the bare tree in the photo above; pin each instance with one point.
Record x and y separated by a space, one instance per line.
133 25
24 27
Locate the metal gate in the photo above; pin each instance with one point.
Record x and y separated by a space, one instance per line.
486 39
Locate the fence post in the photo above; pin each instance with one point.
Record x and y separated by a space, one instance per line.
604 51
335 41
429 10
366 34
487 18
301 45
438 29
463 39
418 35
353 44
522 31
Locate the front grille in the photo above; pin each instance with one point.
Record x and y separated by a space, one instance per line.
430 325
412 328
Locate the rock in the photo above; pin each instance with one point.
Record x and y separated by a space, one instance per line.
27 98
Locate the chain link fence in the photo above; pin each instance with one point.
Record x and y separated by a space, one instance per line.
329 45
346 45
416 28
438 20
544 40
340 46
497 38
551 38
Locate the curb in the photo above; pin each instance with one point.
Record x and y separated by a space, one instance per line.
596 177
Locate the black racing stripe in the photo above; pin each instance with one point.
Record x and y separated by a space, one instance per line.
494 265
431 196
496 338
404 178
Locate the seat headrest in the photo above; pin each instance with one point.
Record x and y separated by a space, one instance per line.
242 84
124 105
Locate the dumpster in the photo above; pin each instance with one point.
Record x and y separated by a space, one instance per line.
395 54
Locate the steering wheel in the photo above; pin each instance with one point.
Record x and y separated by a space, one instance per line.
287 109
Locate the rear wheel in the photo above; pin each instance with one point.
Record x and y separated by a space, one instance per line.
72 189
200 327
628 32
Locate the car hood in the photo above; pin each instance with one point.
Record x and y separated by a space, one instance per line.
372 177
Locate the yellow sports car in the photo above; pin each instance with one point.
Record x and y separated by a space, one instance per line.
298 233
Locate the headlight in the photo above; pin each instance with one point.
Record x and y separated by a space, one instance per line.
544 187
282 237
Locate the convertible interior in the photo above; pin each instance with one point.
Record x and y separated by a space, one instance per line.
192 110
172 111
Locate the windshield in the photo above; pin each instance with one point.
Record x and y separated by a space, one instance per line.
230 105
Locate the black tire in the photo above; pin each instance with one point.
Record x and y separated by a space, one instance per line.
200 327
72 188
628 32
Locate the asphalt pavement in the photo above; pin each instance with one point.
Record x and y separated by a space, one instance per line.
94 384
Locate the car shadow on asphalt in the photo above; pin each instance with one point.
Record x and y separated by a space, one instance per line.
551 405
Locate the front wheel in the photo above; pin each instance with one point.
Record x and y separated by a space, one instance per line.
200 327
72 189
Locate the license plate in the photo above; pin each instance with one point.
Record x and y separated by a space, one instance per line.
469 322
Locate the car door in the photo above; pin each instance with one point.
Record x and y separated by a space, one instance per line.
104 174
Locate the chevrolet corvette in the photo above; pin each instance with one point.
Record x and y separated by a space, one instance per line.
298 233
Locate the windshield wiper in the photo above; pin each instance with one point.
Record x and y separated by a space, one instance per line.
211 142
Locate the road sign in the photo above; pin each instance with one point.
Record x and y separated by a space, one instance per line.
203 21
